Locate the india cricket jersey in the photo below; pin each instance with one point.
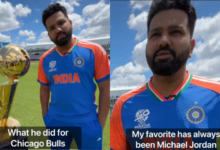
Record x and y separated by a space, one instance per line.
196 104
70 79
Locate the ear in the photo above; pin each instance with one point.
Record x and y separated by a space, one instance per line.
71 24
192 45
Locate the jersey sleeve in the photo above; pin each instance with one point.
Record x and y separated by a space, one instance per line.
102 65
117 135
42 79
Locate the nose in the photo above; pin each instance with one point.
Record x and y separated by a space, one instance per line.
164 41
58 30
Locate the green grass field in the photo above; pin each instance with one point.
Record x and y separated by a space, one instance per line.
26 107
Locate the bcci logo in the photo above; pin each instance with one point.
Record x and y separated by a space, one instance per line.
79 62
195 115
52 64
141 117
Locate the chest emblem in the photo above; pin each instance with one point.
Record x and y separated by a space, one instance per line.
195 115
79 62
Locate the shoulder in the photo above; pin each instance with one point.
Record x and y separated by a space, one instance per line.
47 53
125 97
92 46
206 83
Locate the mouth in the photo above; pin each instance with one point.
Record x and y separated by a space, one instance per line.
163 55
60 36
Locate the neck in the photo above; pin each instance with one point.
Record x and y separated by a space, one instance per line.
64 49
166 85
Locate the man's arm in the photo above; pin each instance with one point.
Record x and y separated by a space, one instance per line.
117 135
44 87
44 98
104 101
102 77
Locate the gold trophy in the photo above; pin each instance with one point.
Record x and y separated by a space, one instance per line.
14 63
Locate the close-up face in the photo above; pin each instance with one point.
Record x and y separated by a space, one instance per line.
59 28
169 44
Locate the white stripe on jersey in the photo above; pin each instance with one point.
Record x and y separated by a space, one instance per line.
205 79
88 42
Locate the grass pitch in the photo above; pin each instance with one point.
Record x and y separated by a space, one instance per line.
26 106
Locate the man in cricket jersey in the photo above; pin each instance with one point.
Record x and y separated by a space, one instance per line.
172 98
67 71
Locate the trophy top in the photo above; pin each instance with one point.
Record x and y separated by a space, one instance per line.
14 61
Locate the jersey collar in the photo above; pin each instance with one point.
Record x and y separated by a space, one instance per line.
70 50
177 92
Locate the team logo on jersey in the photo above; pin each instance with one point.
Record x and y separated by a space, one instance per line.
52 65
79 62
141 117
195 115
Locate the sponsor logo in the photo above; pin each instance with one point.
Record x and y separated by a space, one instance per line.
52 65
141 117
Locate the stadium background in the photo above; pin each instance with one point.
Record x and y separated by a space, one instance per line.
26 106
36 50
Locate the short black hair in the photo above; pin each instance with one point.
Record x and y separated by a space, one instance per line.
184 5
51 9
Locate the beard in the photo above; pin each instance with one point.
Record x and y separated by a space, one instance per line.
168 67
65 40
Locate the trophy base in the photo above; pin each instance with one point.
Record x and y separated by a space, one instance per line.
5 139
13 123
9 146
5 124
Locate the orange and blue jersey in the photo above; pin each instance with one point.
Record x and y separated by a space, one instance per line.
195 105
70 78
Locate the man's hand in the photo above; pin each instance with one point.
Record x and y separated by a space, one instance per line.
102 122
44 98
104 101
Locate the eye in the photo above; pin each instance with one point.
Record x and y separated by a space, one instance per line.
61 23
176 31
51 28
155 34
